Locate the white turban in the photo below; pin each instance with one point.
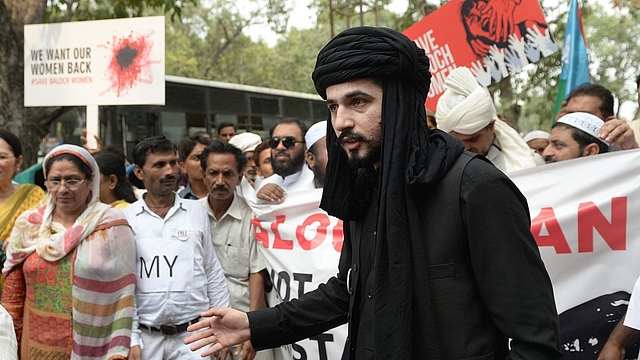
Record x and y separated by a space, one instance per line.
466 108
536 134
246 141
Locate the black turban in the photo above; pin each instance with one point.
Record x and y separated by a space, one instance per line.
367 52
413 159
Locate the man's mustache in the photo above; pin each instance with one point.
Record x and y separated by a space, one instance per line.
352 136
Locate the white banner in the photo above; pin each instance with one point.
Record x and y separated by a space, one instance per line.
103 62
584 218
301 246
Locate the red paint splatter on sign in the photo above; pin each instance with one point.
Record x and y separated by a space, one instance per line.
130 63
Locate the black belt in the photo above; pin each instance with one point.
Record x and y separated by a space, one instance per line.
170 329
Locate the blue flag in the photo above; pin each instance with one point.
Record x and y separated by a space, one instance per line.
575 61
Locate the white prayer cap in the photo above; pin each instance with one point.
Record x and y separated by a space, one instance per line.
246 141
465 107
536 134
316 132
586 122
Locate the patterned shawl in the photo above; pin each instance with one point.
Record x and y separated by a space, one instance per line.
103 271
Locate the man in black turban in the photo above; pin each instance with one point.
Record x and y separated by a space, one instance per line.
438 261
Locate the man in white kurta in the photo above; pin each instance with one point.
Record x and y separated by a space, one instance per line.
233 234
178 274
288 161
466 111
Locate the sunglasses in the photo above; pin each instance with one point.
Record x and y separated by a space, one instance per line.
288 141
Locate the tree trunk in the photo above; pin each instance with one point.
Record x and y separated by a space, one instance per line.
30 124
511 110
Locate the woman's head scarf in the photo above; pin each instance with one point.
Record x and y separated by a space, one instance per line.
413 160
34 231
86 158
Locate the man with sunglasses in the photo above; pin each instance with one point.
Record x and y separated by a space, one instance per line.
288 151
438 261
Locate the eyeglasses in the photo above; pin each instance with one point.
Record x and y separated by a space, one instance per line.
288 141
71 184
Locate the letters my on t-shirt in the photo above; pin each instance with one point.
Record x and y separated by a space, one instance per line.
165 267
156 263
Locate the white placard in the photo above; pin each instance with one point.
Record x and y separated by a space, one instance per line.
104 62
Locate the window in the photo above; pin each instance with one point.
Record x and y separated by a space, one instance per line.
265 106
296 108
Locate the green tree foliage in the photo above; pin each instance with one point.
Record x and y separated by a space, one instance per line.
69 10
614 38
210 41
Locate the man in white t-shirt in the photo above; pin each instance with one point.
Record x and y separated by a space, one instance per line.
179 275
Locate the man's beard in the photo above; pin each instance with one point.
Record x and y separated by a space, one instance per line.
318 172
356 159
292 166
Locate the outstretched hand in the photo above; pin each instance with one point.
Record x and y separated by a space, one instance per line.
222 327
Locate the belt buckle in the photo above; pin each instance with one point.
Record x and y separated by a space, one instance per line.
169 329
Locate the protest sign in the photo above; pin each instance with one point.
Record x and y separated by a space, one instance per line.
301 245
584 215
494 38
103 62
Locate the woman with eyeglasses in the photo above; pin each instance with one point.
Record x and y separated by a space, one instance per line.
70 267
14 198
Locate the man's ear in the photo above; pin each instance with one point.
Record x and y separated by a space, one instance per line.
491 125
137 170
311 159
591 149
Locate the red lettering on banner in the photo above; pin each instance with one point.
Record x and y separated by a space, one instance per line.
262 236
426 42
338 236
278 241
556 237
591 218
438 79
321 231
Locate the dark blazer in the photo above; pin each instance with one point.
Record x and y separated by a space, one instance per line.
486 277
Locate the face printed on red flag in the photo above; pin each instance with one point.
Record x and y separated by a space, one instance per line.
494 38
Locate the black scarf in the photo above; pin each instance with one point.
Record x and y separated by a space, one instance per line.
413 159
